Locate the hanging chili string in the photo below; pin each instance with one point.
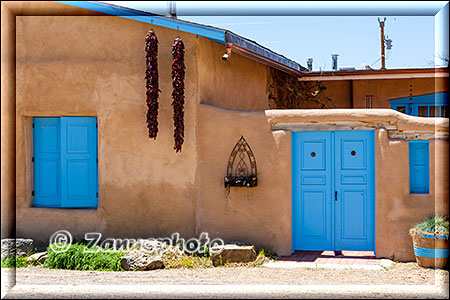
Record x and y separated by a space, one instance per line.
178 92
152 83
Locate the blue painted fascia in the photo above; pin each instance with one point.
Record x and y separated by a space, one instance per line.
214 34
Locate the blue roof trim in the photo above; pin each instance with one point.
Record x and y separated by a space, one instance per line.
437 98
218 35
214 34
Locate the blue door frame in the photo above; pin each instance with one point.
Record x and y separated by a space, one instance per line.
333 190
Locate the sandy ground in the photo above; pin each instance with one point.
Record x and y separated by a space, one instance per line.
404 280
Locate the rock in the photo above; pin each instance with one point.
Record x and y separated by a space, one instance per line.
232 253
16 247
38 257
386 263
141 261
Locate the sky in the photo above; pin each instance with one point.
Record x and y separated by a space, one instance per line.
355 38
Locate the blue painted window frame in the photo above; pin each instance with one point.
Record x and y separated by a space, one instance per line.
416 166
412 104
59 143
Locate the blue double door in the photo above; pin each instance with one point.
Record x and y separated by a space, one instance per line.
333 204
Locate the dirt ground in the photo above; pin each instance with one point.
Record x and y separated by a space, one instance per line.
397 274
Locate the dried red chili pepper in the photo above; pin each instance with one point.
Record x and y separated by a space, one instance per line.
152 83
178 72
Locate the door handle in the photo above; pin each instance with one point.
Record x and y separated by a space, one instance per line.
335 195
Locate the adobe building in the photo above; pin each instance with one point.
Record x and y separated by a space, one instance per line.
76 153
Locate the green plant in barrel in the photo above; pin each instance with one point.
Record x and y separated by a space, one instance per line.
430 241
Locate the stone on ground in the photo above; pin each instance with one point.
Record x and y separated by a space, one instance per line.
38 257
16 247
141 261
232 253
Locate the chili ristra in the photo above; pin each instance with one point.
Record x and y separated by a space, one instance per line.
152 83
178 72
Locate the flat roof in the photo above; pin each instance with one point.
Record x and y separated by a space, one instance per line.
377 74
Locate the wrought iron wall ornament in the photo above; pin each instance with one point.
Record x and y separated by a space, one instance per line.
241 168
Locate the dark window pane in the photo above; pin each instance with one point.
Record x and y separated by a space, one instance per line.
401 109
434 111
423 111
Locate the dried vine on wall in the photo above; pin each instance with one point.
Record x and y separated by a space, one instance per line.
178 72
152 83
286 91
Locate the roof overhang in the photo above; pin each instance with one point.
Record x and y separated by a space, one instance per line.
256 52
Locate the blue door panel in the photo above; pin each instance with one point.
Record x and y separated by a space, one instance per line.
311 187
354 184
333 190
79 161
47 163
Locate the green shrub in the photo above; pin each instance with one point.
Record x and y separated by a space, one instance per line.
432 225
15 262
269 253
203 251
76 258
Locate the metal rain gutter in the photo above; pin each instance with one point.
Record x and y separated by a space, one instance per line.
254 51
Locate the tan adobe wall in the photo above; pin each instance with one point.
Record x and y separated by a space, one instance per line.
9 11
341 91
95 66
386 89
262 215
239 83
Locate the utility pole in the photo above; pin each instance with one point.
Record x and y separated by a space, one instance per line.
383 61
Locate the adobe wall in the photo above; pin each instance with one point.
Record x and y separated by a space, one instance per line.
262 215
340 92
239 83
95 66
385 89
259 215
9 11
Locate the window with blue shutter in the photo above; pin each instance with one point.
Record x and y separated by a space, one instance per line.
65 162
431 105
419 179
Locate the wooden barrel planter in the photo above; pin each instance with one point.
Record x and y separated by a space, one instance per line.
431 250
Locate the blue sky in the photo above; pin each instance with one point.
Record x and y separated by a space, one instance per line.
355 38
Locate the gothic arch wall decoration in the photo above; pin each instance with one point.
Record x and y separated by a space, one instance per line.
241 168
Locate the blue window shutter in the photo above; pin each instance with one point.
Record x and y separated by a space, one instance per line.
419 178
79 186
47 162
